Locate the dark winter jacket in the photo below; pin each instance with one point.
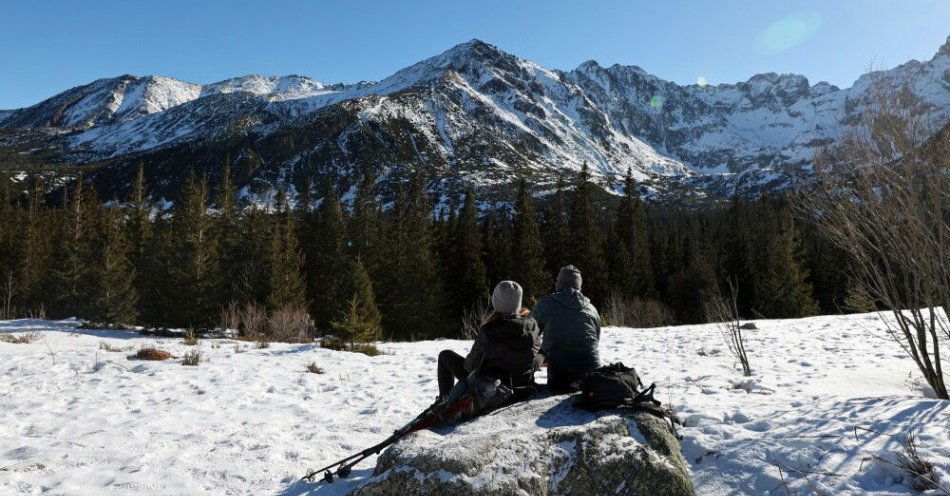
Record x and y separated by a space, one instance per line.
570 327
507 348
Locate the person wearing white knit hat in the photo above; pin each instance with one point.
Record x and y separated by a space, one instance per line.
506 348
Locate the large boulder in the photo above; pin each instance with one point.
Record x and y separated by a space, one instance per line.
541 447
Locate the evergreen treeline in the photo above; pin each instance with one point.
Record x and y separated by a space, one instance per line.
359 268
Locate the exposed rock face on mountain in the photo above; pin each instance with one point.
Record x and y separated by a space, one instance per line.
473 112
544 447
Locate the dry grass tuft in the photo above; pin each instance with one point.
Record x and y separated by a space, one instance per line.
191 338
336 344
104 346
921 474
154 354
22 338
192 358
313 368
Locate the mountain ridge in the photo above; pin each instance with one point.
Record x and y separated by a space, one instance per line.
474 112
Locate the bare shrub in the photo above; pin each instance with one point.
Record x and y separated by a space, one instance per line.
151 353
6 302
332 343
472 320
21 338
191 339
288 324
253 320
231 317
104 346
636 312
313 368
368 349
883 197
192 358
725 313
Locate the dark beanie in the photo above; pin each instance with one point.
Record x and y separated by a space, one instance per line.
568 277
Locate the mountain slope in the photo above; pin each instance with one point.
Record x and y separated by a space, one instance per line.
473 112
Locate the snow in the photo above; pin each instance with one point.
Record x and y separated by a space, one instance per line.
828 395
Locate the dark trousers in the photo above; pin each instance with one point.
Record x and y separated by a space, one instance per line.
451 367
560 381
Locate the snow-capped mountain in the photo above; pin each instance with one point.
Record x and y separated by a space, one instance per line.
473 112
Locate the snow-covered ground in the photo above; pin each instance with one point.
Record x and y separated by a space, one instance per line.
829 396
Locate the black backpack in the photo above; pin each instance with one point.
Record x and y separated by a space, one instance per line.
616 385
610 386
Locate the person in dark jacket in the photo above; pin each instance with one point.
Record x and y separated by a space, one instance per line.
570 327
506 347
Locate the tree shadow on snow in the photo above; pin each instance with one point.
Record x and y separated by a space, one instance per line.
65 326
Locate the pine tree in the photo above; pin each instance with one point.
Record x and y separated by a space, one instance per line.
191 256
327 261
366 226
737 257
410 288
75 264
253 256
360 320
586 246
630 254
556 230
140 238
115 293
526 246
226 231
35 268
496 233
467 271
9 249
286 282
782 289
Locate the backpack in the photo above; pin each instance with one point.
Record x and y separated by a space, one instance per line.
616 385
609 386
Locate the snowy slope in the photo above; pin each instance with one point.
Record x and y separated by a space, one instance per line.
78 420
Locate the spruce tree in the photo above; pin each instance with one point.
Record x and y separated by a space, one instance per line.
468 284
360 319
115 293
630 255
287 286
526 247
586 246
9 249
191 255
782 289
75 264
226 231
366 225
35 233
410 287
556 230
328 261
140 238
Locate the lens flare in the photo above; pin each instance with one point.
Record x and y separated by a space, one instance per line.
701 81
787 33
656 101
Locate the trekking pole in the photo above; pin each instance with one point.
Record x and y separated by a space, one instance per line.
345 466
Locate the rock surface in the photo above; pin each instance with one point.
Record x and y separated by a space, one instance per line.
542 447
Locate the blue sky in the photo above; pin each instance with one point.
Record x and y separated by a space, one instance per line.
49 46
